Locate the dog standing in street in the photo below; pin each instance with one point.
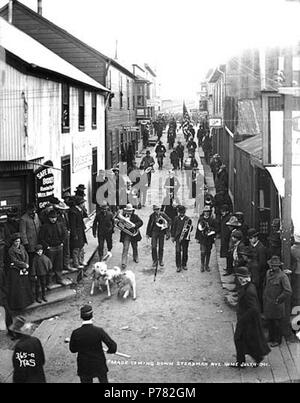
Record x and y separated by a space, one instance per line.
127 285
101 275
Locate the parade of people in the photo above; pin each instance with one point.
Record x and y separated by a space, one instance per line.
148 234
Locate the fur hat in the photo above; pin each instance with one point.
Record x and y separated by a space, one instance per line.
252 232
86 312
237 234
38 247
242 272
15 236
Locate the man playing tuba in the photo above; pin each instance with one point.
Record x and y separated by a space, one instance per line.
158 227
181 231
133 222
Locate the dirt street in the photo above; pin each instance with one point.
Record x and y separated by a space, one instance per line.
178 329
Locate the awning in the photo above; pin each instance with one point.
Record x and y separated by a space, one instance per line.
277 177
252 146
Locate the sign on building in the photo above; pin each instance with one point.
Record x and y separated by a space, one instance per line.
44 184
82 154
215 122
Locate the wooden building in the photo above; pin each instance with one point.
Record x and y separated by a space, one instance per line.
121 128
51 123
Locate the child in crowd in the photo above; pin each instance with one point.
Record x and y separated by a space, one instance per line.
41 267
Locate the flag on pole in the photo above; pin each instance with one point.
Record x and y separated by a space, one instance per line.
186 121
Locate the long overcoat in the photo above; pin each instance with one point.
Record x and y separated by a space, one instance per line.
77 229
249 330
18 282
225 235
277 288
29 230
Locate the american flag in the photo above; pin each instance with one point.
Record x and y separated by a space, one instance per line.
186 121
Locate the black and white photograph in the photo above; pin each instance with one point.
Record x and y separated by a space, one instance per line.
149 197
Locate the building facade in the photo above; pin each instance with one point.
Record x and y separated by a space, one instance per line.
51 124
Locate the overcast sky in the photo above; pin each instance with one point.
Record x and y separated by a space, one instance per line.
181 39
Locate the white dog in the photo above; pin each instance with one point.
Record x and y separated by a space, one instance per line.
127 285
103 275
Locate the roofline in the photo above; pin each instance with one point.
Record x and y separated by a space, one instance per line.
35 68
73 38
150 70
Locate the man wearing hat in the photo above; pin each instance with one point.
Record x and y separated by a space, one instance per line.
87 341
277 290
215 163
28 355
147 162
52 237
103 228
249 337
29 229
244 227
236 246
182 245
157 234
247 258
205 235
260 252
126 239
180 152
275 239
77 233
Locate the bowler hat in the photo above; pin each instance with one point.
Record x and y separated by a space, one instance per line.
86 312
181 209
81 186
275 261
53 200
233 222
239 214
242 272
20 325
156 207
237 234
38 247
15 236
206 209
252 232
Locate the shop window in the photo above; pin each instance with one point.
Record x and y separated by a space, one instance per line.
94 110
128 95
65 113
65 174
81 109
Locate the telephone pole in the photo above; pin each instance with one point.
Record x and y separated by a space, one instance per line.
287 160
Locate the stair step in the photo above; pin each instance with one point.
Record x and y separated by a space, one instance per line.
61 294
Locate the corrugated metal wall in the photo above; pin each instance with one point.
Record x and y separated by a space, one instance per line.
12 116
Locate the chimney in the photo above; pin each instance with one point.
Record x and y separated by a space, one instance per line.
40 8
10 11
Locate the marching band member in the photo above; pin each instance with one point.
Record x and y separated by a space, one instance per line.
147 162
158 227
103 228
180 234
126 239
205 235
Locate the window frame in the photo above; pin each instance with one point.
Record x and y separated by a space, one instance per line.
64 87
94 110
81 109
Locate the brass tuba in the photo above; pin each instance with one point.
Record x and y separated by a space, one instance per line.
186 230
124 224
161 222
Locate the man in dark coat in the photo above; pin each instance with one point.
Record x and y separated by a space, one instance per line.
52 237
277 290
205 235
221 180
87 342
28 356
4 301
77 233
180 152
248 259
181 242
29 229
261 256
224 231
174 159
160 151
248 336
103 227
126 239
215 164
157 234
147 164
